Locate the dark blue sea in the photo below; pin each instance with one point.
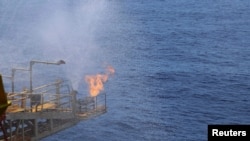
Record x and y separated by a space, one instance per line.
180 64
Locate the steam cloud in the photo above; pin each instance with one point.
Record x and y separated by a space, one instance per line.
53 30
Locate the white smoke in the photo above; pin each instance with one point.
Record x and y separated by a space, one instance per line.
53 30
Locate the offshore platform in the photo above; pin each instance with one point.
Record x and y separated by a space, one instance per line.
30 115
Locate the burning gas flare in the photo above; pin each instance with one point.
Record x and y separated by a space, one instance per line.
96 82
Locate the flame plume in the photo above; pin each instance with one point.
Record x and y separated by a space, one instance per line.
96 82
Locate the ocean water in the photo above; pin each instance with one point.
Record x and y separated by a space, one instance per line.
180 65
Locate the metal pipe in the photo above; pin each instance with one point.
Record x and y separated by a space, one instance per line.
74 102
13 76
32 62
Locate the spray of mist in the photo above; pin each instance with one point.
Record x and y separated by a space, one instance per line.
53 30
69 33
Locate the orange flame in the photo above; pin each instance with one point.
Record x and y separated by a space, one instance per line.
96 81
110 70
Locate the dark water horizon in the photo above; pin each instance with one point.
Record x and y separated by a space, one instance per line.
180 65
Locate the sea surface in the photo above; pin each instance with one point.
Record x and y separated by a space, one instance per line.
180 64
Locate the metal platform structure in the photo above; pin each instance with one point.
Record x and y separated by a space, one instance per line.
48 109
